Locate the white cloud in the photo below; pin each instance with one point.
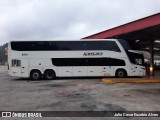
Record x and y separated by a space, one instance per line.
67 19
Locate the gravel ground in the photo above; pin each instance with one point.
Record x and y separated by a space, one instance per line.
87 94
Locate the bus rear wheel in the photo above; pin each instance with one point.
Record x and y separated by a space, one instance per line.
121 73
35 75
49 75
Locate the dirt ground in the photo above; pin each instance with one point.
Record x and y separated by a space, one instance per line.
87 94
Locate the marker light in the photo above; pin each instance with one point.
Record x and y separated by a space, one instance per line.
151 69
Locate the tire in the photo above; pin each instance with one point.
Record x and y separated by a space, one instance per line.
121 73
35 75
49 75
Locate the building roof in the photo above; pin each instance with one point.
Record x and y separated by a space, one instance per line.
139 29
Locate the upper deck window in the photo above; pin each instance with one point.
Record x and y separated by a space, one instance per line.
64 45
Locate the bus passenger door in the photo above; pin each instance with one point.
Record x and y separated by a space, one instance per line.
24 68
106 71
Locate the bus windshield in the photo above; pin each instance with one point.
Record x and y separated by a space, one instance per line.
129 45
134 57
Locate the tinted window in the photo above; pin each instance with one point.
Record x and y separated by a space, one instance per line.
16 63
136 58
87 62
102 45
65 45
31 46
69 45
129 45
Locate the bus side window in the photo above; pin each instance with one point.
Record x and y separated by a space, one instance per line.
13 63
16 63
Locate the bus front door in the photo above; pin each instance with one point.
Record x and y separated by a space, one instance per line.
24 68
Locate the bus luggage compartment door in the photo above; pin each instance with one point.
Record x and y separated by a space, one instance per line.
95 71
24 68
65 72
79 71
106 71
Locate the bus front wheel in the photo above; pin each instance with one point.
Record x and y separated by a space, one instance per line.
121 73
35 75
49 75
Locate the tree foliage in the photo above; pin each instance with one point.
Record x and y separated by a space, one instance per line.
3 58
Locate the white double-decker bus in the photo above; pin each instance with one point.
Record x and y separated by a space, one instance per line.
51 59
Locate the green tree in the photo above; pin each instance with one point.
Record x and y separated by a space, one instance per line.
3 58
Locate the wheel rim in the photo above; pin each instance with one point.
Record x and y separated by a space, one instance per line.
49 75
120 74
35 75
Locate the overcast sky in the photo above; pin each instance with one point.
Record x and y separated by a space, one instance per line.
67 19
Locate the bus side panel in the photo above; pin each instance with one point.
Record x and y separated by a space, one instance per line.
24 68
15 71
65 71
94 71
40 64
80 71
106 71
139 71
